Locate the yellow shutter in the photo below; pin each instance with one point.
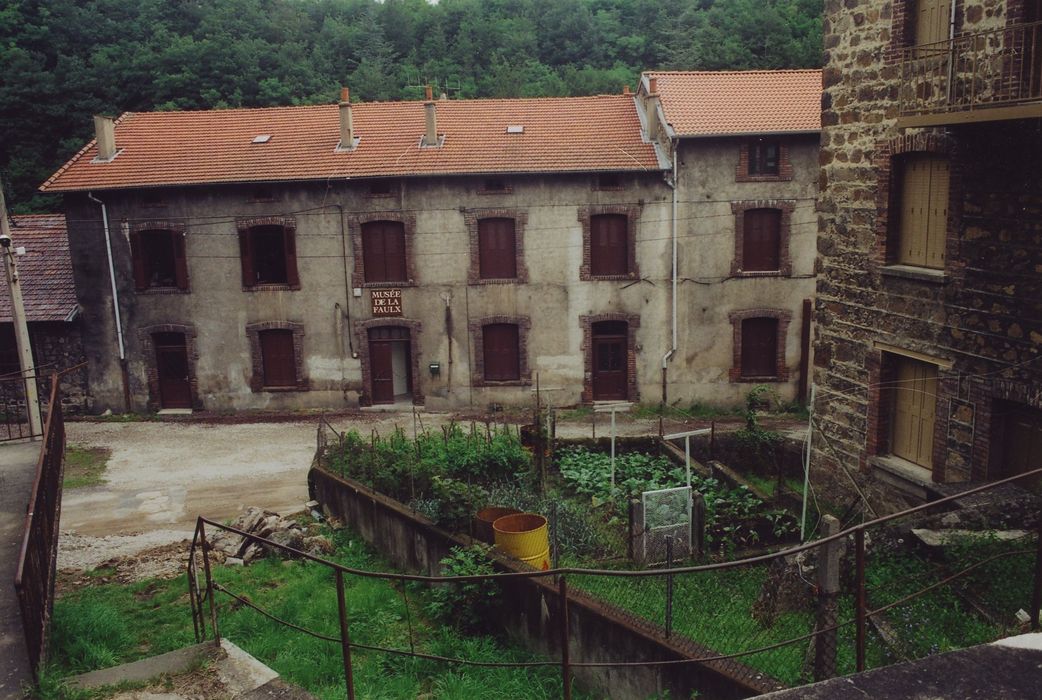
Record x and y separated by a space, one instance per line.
923 225
931 21
915 400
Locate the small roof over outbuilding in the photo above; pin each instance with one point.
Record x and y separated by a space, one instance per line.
48 289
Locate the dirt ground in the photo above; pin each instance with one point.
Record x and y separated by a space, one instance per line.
162 474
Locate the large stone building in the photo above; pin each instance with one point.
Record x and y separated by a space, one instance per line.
929 303
449 252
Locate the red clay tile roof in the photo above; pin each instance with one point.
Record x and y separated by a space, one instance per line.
716 103
578 134
46 269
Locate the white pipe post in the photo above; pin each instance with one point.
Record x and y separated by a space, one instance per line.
687 458
806 465
21 327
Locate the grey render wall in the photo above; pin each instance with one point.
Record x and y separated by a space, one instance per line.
219 310
708 293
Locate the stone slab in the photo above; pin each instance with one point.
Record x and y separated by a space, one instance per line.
939 538
171 663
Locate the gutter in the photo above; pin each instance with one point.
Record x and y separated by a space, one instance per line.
673 274
115 301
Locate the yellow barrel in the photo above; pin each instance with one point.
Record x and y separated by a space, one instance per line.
524 536
484 519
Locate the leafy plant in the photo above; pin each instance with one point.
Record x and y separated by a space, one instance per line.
467 605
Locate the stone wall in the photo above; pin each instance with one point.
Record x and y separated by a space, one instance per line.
980 318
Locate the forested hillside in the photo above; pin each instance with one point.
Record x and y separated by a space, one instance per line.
64 60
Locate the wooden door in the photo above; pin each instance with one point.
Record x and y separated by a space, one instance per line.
385 343
609 361
175 389
915 400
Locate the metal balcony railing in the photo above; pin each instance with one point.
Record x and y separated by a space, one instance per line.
977 71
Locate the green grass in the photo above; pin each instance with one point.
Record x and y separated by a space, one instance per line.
109 624
85 466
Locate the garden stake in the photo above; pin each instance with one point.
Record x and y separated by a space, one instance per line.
859 540
209 585
1036 594
669 587
345 638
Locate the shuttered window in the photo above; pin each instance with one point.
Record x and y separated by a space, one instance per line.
931 21
383 251
763 157
497 249
278 358
269 256
501 352
761 240
760 347
159 259
914 399
923 211
609 245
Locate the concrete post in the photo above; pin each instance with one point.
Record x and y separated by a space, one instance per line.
828 591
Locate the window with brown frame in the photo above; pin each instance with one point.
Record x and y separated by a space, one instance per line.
919 230
759 347
501 352
609 245
269 256
497 248
278 358
913 401
159 259
761 240
383 251
764 157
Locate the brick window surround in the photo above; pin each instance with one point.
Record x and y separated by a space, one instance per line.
177 227
632 214
362 338
471 217
736 317
148 353
784 164
253 331
289 226
632 324
354 224
477 372
786 208
881 374
887 164
983 394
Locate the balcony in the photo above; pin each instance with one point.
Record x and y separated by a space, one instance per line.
983 76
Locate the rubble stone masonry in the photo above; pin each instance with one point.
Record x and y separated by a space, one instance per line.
979 319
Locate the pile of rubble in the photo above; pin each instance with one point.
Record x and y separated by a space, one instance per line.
271 526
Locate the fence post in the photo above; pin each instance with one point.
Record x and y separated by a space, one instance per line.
859 539
828 588
209 584
345 637
566 668
1036 593
698 522
669 587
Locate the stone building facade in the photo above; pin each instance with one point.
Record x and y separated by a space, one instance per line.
929 299
451 264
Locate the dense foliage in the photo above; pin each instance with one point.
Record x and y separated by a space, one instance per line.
67 59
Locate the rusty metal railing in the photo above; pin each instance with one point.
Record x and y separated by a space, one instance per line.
996 68
14 407
34 579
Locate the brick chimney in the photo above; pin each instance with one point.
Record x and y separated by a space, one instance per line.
105 134
626 90
651 109
430 137
347 124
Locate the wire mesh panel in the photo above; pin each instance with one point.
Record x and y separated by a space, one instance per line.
666 523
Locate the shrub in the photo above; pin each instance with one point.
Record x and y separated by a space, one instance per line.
467 605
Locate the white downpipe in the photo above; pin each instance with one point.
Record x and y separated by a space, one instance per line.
112 275
673 275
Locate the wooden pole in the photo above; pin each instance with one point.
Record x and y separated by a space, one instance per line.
345 636
859 539
566 668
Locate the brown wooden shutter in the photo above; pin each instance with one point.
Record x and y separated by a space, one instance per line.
500 352
760 347
137 255
931 21
180 259
249 278
923 226
609 250
289 245
761 240
278 357
915 400
394 247
383 251
937 223
497 251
